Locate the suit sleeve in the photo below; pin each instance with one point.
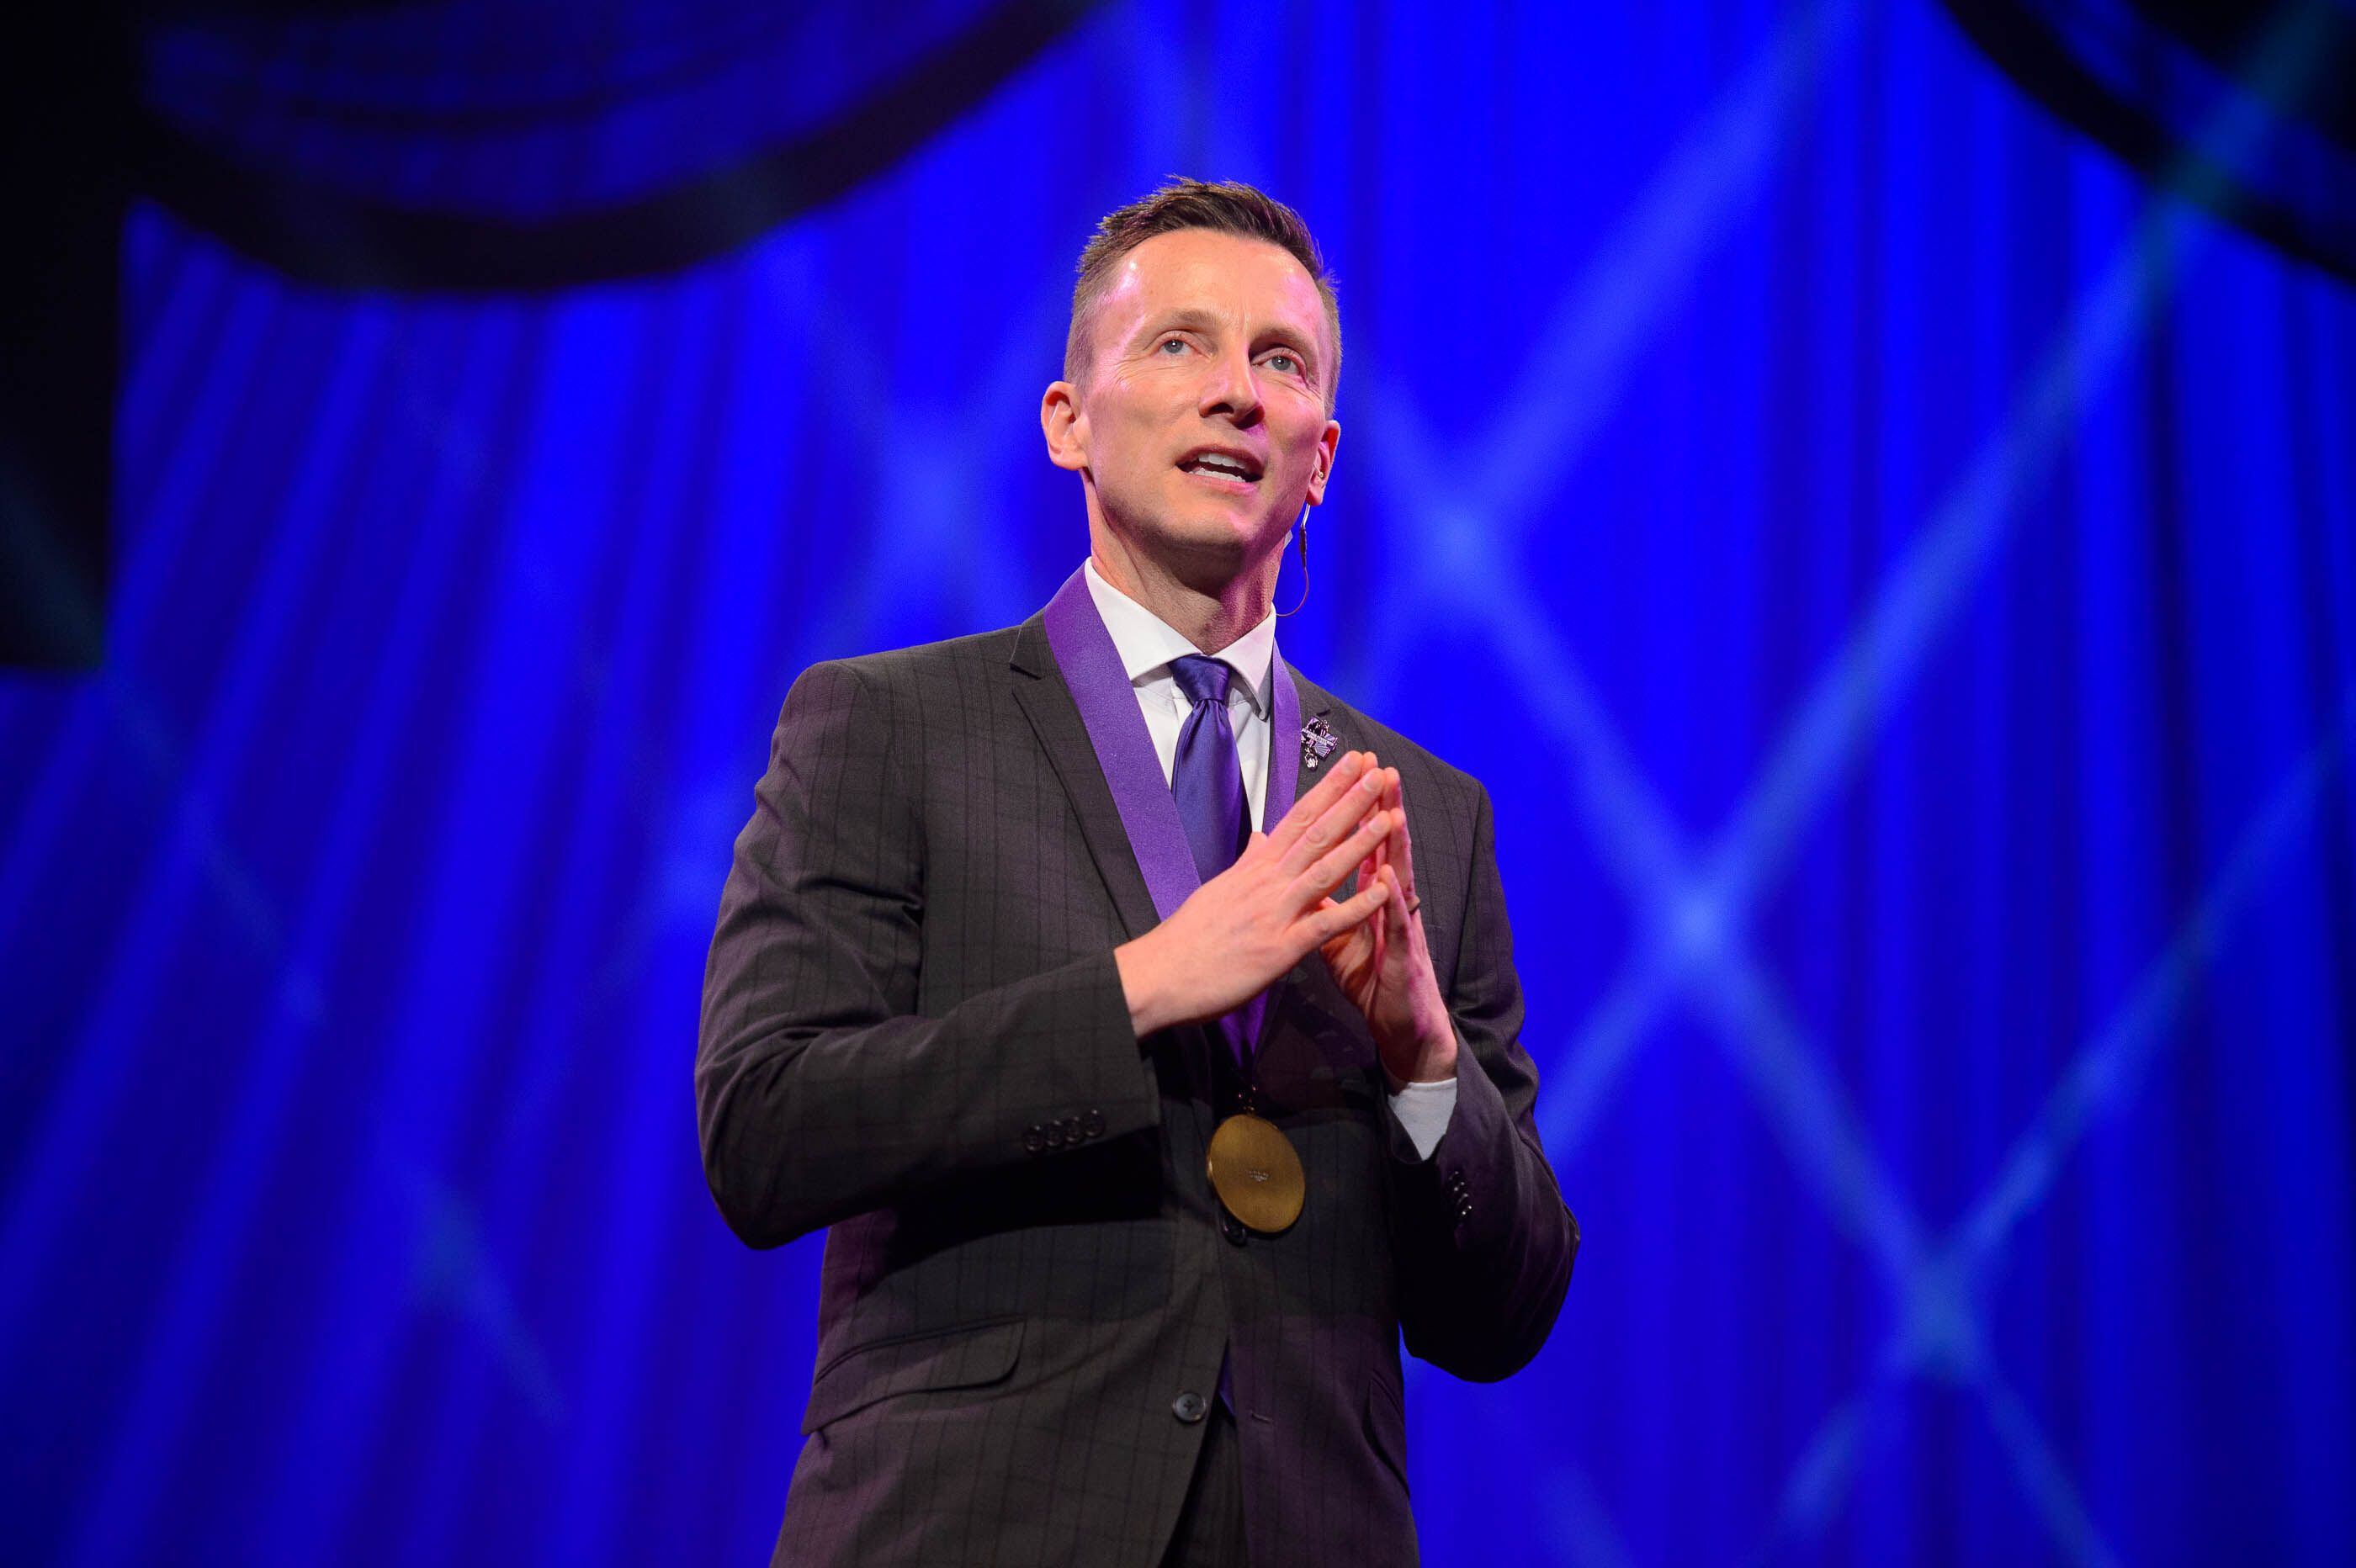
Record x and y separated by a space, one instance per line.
820 1091
1483 1241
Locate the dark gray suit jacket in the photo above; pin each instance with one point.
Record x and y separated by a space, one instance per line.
914 1032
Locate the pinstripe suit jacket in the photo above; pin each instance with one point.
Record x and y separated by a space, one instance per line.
914 1032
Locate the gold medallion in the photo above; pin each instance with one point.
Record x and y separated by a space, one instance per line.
1256 1174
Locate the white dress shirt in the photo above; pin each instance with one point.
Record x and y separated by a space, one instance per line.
1147 644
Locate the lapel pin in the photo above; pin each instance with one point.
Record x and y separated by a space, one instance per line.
1317 741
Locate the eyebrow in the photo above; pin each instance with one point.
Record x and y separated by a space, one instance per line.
1204 321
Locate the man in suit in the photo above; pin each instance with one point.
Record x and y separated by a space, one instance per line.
1036 939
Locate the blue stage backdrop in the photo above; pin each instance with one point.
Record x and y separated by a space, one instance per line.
1892 562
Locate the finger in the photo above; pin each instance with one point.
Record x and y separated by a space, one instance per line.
1339 947
1398 914
1352 766
1399 848
1331 921
1326 872
1352 808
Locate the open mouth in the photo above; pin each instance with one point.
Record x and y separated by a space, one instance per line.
1217 465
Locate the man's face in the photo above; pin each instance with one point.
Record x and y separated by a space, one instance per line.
1202 422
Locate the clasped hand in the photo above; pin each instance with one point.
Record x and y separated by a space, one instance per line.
1242 929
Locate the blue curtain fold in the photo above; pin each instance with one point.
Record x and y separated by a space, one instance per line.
1894 566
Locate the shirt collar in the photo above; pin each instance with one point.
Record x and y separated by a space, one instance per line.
1147 644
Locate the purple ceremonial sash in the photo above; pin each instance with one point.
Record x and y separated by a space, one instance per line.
1149 812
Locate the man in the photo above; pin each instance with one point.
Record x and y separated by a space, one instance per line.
1142 1132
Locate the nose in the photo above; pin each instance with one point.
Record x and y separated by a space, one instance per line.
1230 387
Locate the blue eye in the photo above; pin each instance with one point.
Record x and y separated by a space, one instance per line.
1289 366
1174 343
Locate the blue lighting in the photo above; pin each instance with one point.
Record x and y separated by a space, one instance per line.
1894 568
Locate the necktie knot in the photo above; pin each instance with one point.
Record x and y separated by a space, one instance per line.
1202 678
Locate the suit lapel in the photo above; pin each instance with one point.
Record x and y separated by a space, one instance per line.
1046 702
1309 764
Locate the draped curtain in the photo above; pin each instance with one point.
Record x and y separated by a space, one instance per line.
1893 564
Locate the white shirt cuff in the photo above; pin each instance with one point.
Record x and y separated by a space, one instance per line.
1424 1109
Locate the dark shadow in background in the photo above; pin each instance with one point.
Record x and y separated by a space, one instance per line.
64 96
2147 78
87 91
83 136
317 233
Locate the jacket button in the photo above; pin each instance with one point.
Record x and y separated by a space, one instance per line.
1033 1139
1189 1407
1093 1124
1072 1133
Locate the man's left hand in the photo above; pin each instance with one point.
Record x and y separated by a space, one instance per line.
1384 966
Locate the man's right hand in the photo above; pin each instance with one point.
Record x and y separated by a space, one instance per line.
1237 933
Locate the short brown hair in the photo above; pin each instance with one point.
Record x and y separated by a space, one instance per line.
1225 207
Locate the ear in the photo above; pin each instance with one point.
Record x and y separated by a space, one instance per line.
1066 426
1322 470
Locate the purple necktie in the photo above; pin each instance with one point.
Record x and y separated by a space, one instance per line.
1209 785
1205 776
